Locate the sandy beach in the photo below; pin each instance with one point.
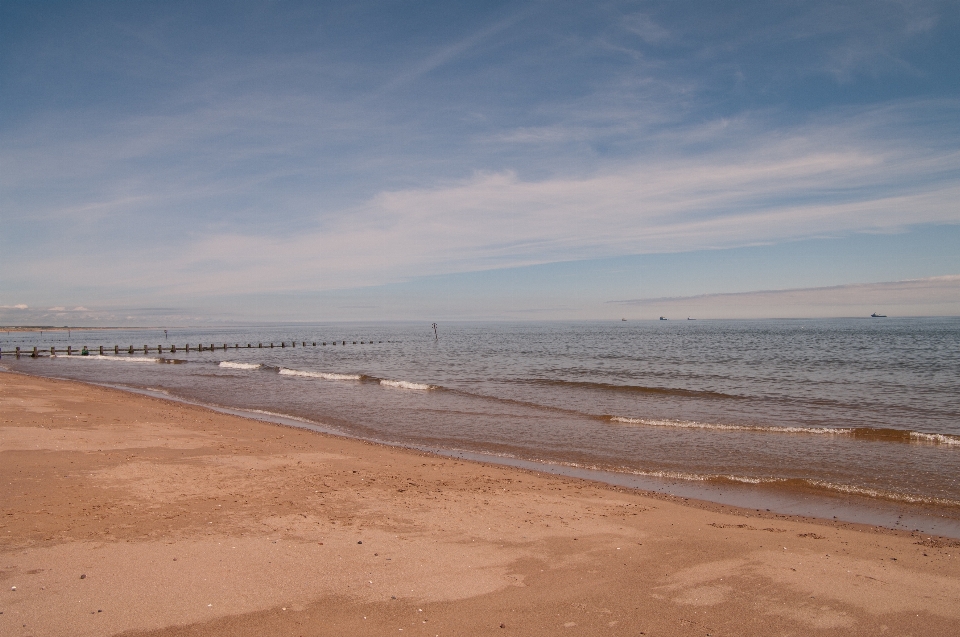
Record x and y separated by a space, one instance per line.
125 514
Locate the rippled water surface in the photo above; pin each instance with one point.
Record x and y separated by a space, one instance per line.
847 406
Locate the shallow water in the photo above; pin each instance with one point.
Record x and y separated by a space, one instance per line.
868 408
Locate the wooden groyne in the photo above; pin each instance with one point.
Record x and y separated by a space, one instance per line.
102 350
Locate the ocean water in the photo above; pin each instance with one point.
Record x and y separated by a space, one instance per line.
838 413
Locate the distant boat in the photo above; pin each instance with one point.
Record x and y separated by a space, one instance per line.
663 318
875 315
623 319
691 319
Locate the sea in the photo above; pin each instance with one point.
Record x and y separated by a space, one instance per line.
854 419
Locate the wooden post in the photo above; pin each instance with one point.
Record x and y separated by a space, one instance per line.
53 351
282 344
34 351
101 350
271 345
173 349
18 352
260 345
116 349
186 347
69 350
145 350
159 349
130 350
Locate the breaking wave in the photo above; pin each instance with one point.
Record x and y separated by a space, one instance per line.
796 484
636 389
232 365
861 433
690 424
403 384
937 439
125 359
284 371
279 415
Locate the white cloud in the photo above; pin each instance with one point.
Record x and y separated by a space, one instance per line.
645 27
450 52
820 182
500 220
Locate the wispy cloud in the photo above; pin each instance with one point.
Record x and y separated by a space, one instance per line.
818 182
452 51
932 296
192 160
646 27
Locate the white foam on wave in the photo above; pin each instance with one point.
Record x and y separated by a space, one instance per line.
322 375
673 475
706 477
403 384
124 359
939 439
692 424
232 365
279 415
882 494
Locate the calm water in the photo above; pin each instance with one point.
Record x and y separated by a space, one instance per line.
861 408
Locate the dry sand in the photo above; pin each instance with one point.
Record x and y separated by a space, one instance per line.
123 514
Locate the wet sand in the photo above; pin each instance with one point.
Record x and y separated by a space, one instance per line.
126 514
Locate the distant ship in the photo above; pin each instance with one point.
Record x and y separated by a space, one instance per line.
875 315
691 319
663 318
623 319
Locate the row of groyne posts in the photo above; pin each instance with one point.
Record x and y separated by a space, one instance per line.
173 349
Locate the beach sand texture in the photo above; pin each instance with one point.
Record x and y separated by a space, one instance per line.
125 514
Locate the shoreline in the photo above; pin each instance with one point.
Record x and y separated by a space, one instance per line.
601 478
849 507
182 519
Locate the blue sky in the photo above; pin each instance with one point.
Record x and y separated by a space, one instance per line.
205 161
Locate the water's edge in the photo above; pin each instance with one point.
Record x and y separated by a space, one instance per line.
840 508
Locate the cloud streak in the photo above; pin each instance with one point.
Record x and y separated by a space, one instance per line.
801 186
931 296
185 154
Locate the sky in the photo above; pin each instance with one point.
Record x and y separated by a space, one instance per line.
196 162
